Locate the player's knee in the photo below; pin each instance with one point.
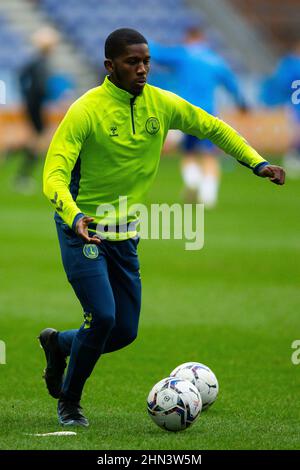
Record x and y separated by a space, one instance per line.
104 323
98 331
99 322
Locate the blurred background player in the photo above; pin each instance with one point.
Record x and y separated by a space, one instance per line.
278 90
200 71
34 79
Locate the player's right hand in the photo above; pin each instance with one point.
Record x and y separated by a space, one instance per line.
82 230
276 174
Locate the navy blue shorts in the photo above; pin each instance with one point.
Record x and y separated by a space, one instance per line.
106 280
191 143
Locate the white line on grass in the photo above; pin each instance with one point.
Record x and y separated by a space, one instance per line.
58 433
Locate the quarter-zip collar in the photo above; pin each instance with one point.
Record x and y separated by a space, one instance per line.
117 92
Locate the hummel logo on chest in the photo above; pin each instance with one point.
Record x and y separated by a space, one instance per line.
113 131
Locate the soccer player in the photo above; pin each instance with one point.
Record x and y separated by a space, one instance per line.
279 89
33 82
108 145
200 71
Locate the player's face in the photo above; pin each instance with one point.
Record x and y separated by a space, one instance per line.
129 70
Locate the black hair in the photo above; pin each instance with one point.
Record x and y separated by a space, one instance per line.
119 39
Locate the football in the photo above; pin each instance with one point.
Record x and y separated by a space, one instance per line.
202 377
174 404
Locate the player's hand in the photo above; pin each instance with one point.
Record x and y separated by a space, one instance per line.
82 230
276 174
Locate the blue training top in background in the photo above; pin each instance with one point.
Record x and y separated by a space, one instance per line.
277 89
199 72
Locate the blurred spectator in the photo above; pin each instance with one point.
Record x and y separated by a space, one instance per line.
199 71
281 89
34 79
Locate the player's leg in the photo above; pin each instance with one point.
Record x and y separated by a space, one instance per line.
125 280
209 188
103 330
86 269
24 180
96 297
190 168
65 340
97 300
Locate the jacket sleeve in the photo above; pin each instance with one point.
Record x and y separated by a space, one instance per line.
61 159
195 121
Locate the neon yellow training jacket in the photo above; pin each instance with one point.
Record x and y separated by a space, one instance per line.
109 144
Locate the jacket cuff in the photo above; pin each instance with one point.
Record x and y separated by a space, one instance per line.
259 167
77 217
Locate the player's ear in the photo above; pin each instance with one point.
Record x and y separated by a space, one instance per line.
108 64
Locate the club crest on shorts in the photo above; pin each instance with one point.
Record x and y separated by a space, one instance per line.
91 251
152 125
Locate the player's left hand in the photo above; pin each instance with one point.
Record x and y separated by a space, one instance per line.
276 174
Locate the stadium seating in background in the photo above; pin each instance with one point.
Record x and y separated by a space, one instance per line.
13 51
88 23
279 19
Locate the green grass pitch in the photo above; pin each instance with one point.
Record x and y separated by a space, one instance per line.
233 305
